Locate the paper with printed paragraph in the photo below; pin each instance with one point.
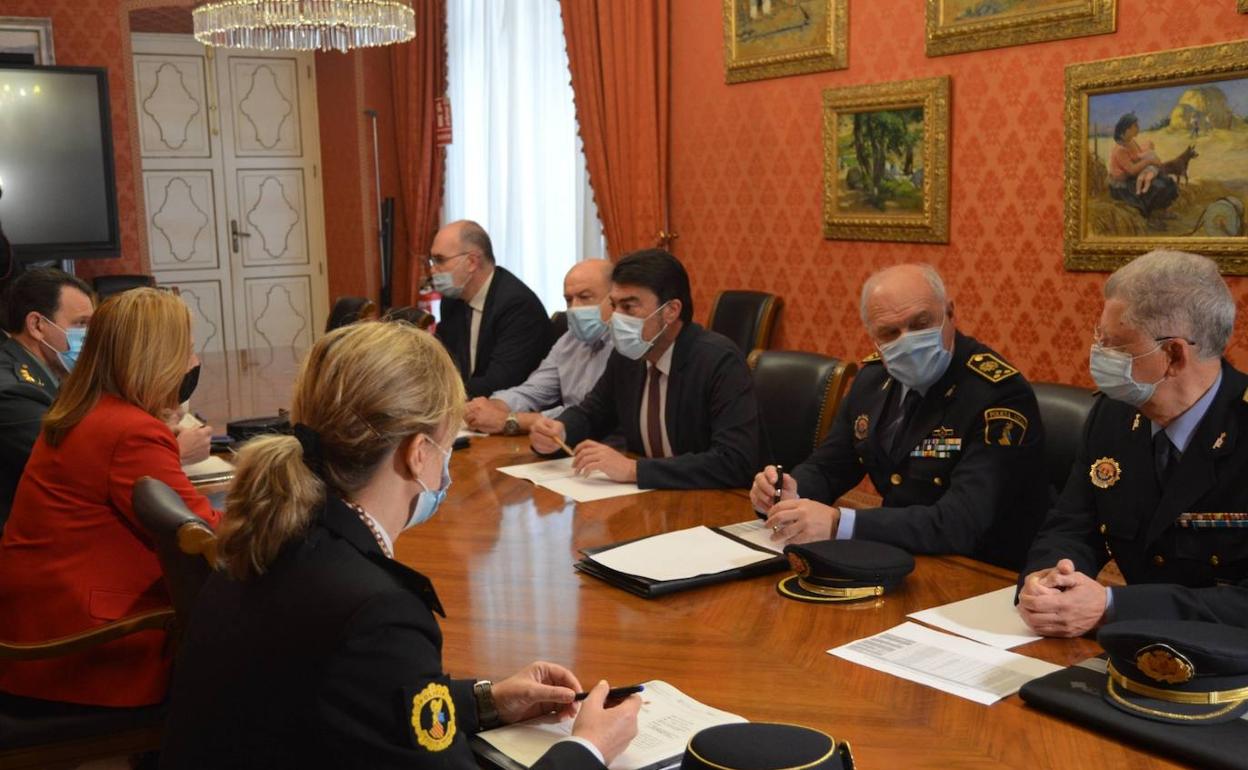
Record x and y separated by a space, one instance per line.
957 666
755 531
667 721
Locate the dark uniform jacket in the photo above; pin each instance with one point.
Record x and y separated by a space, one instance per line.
515 335
711 414
331 659
26 392
965 477
1114 507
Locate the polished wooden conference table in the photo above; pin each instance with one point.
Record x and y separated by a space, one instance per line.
500 553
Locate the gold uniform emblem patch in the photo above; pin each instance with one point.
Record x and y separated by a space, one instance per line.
1004 427
860 427
23 371
990 367
433 717
875 356
1105 472
1163 663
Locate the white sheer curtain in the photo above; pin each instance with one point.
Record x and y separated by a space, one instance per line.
516 163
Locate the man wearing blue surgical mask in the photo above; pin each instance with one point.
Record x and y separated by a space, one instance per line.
46 315
947 431
571 368
494 327
681 395
1158 483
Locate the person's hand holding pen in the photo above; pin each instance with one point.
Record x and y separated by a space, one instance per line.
770 487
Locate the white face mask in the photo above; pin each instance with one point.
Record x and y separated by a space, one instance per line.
918 359
427 502
626 330
1112 373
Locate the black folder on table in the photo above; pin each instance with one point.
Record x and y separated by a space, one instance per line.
1077 693
648 589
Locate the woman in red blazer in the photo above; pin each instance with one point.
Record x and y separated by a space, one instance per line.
73 555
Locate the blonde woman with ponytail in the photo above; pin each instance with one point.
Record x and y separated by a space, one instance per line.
73 555
312 647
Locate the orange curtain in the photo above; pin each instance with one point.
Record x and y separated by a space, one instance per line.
418 70
618 54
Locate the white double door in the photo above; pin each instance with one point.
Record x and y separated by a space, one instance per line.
235 218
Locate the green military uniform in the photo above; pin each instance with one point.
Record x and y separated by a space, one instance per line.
1183 548
26 392
965 473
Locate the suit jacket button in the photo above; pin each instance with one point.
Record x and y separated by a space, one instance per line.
895 479
1103 529
937 481
1159 560
1214 560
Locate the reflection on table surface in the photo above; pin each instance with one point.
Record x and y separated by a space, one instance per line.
500 553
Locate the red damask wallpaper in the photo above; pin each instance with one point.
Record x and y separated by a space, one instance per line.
747 190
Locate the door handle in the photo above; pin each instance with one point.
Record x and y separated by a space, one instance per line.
235 234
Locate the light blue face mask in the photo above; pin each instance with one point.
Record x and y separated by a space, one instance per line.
75 337
586 323
917 359
427 502
627 331
1111 371
444 284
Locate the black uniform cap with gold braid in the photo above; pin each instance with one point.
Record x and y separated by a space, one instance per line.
843 570
1183 672
990 367
765 746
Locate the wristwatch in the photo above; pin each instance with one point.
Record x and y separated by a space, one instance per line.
487 711
512 426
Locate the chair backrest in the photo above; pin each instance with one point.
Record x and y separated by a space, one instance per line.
1063 409
559 323
107 285
745 317
798 395
185 545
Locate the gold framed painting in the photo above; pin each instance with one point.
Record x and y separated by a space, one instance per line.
886 162
957 26
774 38
1157 157
1243 6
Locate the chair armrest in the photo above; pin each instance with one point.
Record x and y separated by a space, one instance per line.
161 619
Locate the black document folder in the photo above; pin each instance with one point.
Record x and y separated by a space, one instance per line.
648 589
1077 694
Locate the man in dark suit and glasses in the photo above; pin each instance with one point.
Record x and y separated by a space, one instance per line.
494 327
681 395
1158 484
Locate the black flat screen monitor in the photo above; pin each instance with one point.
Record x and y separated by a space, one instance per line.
58 192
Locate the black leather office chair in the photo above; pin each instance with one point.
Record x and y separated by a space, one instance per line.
107 285
1063 409
40 734
745 317
798 395
559 323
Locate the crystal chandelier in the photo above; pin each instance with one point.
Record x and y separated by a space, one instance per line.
302 25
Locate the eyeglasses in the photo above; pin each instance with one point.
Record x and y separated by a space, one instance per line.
441 261
1098 339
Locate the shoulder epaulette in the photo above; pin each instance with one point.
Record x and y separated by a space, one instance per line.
990 367
873 358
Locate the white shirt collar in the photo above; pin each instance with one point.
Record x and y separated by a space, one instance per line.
664 364
477 302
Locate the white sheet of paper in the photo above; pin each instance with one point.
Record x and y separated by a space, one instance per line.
756 532
684 553
667 721
990 618
558 477
957 666
213 466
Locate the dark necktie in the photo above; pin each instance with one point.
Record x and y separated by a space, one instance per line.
1165 457
895 428
654 424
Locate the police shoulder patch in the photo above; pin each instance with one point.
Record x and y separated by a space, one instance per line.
871 359
1004 427
990 367
433 717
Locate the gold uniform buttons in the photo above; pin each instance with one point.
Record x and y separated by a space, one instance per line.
1214 560
1104 529
1159 560
937 481
895 479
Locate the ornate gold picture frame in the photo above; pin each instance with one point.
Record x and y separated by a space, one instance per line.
957 26
886 162
774 38
1243 6
1155 149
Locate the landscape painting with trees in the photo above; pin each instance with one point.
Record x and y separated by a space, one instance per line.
881 160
